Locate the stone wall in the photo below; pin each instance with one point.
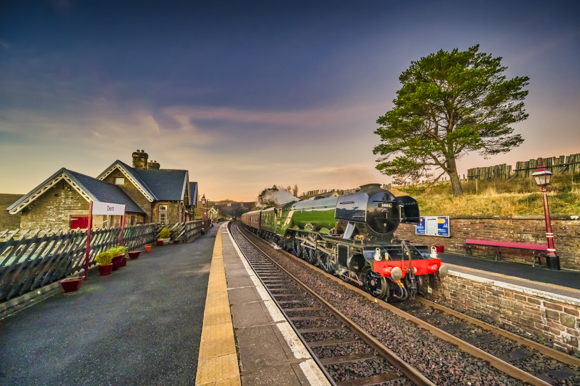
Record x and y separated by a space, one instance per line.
53 209
132 192
173 208
529 230
550 316
7 220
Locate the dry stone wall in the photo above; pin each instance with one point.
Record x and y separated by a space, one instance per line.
551 316
528 230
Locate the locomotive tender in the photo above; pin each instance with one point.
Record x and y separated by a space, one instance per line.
351 236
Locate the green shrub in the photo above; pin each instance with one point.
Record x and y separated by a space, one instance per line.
165 234
104 258
118 250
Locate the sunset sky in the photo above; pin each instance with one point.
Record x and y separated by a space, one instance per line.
247 94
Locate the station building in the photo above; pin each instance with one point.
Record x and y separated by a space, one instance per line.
149 193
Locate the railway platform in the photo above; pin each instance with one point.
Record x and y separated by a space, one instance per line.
562 283
268 350
139 326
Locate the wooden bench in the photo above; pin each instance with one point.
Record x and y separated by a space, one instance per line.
497 245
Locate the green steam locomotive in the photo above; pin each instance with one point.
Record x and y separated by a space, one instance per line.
351 236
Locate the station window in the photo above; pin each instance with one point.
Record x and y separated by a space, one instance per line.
119 181
162 214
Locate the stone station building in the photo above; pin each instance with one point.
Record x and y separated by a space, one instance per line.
150 194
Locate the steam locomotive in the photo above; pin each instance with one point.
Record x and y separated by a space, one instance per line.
351 236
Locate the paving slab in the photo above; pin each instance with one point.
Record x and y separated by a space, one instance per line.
139 326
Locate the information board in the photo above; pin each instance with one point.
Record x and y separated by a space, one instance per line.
433 226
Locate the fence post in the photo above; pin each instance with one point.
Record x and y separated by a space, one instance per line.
88 250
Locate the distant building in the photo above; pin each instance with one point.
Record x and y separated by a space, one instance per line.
150 194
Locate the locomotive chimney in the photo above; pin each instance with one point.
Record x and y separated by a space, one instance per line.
140 159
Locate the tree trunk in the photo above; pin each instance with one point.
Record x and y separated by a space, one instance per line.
454 178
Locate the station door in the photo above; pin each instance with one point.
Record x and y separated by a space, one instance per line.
79 222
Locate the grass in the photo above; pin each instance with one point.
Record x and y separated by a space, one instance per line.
518 197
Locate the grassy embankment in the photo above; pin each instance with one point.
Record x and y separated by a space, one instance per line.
518 197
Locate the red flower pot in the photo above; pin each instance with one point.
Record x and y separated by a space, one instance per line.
175 241
123 262
117 262
134 255
159 243
105 270
71 285
147 248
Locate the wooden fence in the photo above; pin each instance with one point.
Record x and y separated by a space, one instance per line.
559 164
30 259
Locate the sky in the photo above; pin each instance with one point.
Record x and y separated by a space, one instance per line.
248 94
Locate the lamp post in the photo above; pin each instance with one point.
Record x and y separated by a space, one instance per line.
543 178
203 201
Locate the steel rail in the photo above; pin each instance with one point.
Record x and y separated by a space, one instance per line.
548 351
306 346
409 371
494 361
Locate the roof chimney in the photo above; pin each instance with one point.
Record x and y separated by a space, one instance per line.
140 159
154 165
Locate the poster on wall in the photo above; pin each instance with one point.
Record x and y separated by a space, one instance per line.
433 226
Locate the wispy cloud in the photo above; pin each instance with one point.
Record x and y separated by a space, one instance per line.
311 118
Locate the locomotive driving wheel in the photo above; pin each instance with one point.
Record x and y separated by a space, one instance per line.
310 255
298 249
376 285
327 264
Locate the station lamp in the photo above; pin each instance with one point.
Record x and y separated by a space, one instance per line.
543 178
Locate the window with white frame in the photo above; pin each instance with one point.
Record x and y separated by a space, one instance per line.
119 181
162 214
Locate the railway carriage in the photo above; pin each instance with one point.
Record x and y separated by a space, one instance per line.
351 236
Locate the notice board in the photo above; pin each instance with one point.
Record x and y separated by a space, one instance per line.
433 226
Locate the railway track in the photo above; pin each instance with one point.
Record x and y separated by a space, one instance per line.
522 359
349 355
549 365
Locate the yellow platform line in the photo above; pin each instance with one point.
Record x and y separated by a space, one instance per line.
217 364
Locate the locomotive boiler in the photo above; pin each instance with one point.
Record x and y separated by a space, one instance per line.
351 236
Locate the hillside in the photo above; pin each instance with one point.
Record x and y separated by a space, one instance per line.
518 197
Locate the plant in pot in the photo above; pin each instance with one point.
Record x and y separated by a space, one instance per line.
124 259
164 237
105 260
118 253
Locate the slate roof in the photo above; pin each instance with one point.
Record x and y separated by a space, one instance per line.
106 192
166 184
193 193
160 184
97 190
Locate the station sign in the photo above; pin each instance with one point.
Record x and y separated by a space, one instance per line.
105 208
433 226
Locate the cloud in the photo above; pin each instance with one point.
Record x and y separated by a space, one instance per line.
310 118
4 44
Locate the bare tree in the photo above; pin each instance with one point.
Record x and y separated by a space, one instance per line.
295 190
